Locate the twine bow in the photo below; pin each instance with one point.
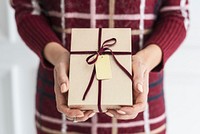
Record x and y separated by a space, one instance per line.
105 46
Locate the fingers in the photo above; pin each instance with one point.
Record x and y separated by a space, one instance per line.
87 115
70 113
130 112
115 114
141 88
61 86
126 113
61 104
61 101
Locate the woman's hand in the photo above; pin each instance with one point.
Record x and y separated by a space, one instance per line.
59 57
142 63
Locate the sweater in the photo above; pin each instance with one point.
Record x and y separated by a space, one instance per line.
160 22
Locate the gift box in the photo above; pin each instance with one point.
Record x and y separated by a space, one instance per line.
100 71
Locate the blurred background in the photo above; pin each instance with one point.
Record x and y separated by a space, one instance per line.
18 67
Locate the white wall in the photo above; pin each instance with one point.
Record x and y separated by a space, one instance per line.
182 81
18 67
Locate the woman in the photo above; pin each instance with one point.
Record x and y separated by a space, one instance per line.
158 28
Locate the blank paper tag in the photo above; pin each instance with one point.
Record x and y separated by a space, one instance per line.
103 68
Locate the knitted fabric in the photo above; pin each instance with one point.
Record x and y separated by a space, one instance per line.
161 22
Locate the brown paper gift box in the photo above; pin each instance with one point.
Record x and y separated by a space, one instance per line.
115 92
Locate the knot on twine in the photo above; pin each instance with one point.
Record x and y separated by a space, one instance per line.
105 46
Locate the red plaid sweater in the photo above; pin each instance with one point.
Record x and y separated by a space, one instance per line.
161 22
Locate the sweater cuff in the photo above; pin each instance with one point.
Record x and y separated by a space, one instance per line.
36 33
168 35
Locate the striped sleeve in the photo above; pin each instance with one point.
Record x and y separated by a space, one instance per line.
170 28
33 27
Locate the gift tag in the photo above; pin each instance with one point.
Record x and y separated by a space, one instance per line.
103 68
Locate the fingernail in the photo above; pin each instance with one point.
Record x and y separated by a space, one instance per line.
121 112
109 114
140 88
63 88
91 115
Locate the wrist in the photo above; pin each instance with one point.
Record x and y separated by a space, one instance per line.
151 56
53 52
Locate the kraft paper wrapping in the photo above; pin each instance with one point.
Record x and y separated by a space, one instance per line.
116 91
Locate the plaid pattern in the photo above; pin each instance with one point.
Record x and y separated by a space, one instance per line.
151 21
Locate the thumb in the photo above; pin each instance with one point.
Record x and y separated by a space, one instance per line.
138 77
62 78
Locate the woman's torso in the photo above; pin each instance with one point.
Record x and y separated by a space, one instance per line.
66 14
